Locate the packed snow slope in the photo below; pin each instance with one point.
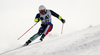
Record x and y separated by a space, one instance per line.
83 42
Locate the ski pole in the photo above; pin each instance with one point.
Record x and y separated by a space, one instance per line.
27 31
62 28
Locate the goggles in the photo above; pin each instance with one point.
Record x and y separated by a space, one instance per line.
42 11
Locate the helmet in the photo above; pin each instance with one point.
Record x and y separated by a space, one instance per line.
42 8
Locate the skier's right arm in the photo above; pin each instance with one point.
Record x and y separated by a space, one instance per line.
37 18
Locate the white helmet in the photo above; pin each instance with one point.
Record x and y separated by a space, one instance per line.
42 8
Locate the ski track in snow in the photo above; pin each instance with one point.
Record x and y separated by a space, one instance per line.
82 42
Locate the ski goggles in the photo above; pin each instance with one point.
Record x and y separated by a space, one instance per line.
41 11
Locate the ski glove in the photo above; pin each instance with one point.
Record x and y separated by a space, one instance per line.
63 21
41 18
37 19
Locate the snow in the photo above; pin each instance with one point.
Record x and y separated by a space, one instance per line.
82 42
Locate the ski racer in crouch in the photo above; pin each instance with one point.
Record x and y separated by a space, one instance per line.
44 16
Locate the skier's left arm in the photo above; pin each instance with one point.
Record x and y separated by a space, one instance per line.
57 16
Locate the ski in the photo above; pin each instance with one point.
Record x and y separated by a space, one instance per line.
31 44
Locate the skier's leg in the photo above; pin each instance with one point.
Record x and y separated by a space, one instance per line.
47 30
42 37
31 39
35 36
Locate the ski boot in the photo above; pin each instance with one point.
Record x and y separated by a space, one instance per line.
27 43
42 37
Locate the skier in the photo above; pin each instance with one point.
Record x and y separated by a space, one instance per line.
44 16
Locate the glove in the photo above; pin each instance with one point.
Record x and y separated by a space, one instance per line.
41 18
36 20
63 21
